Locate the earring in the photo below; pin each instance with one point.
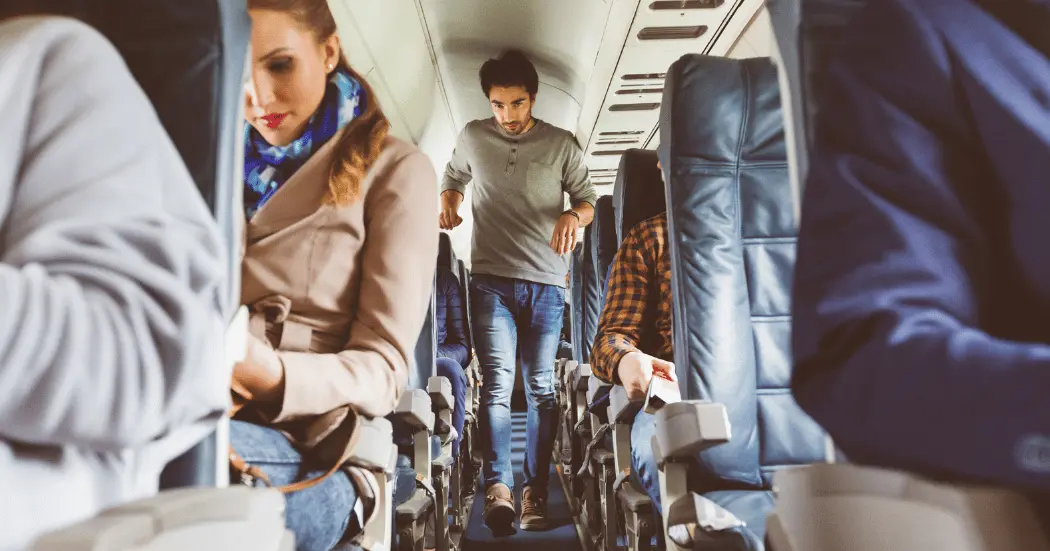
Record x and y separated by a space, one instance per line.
331 66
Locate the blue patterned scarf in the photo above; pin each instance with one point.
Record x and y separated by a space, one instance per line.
267 167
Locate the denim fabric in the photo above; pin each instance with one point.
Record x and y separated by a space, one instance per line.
449 368
644 470
318 516
450 320
517 321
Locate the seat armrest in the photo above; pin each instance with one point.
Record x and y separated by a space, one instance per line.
594 385
622 410
212 519
686 428
567 371
440 390
374 444
580 376
414 409
415 508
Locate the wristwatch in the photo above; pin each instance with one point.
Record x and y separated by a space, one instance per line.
572 212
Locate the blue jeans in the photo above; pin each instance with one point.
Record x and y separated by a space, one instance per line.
516 322
319 516
450 368
644 470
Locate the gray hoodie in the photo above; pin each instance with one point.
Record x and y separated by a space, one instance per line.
111 283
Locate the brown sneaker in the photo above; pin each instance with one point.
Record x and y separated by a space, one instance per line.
499 509
533 510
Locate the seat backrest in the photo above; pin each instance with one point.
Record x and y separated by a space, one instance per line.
603 242
732 236
638 191
463 274
189 58
806 32
446 255
591 280
577 280
424 362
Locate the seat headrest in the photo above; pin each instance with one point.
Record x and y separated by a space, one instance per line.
197 47
704 113
446 256
807 32
638 193
602 237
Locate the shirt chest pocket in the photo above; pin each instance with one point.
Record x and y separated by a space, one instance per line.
543 185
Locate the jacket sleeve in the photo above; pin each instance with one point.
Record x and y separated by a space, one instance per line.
111 268
893 267
397 280
455 345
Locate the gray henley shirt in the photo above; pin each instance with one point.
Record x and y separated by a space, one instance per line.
518 196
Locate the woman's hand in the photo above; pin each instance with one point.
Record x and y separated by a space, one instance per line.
263 384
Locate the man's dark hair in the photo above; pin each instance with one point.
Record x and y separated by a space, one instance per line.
510 69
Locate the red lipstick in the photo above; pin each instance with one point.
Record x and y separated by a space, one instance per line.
274 120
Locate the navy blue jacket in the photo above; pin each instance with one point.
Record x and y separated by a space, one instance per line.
451 323
922 285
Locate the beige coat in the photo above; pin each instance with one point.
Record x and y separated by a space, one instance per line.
340 293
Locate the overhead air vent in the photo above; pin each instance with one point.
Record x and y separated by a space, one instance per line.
684 32
634 106
679 5
622 133
618 142
630 91
609 152
644 76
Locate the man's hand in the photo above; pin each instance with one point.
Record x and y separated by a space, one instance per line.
449 217
636 371
564 239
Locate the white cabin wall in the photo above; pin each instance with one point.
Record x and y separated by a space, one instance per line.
386 41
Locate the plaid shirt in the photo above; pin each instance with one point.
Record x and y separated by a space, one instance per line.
637 311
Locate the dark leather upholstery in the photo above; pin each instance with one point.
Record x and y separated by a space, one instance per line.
732 243
446 255
638 191
806 31
580 348
591 283
603 240
188 56
424 364
464 280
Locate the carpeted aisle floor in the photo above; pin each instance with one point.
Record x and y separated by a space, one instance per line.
562 537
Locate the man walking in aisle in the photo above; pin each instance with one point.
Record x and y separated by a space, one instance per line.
521 168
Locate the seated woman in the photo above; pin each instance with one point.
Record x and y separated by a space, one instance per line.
453 355
338 262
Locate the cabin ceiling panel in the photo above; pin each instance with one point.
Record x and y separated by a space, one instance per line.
561 37
657 38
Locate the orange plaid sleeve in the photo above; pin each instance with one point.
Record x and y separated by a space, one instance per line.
626 297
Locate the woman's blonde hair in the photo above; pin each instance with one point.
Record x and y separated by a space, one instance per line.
362 140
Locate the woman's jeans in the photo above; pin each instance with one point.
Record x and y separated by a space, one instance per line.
319 516
458 378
